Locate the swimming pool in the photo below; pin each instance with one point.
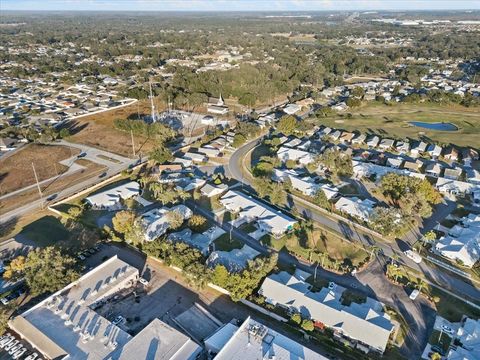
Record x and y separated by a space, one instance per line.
439 126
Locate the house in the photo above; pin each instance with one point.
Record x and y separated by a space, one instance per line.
412 165
451 154
340 107
433 170
235 260
473 176
190 183
208 120
303 157
455 187
305 185
213 190
364 326
209 151
386 144
434 150
155 222
359 139
469 155
330 191
373 141
291 109
347 137
335 135
468 339
7 144
402 147
462 243
453 173
254 340
217 106
200 242
419 148
195 157
111 199
355 207
184 162
249 209
395 163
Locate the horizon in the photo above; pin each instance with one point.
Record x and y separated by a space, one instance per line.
226 6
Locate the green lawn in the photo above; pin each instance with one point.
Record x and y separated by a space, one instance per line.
46 231
442 340
223 243
394 121
451 308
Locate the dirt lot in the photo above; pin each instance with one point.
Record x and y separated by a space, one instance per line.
16 170
52 187
98 130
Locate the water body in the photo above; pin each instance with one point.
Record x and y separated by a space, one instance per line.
435 126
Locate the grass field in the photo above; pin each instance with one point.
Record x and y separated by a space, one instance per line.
98 130
16 170
52 187
393 121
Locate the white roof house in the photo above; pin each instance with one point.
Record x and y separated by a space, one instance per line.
361 209
198 241
418 148
463 241
64 325
195 157
359 139
365 323
253 340
235 260
386 144
402 147
155 222
455 187
159 340
330 191
291 109
213 190
373 141
111 199
303 157
434 150
395 163
209 151
469 336
250 209
305 185
362 169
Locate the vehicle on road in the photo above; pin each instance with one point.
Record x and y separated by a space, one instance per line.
414 294
81 257
102 175
82 155
52 197
415 257
447 329
118 320
331 285
143 281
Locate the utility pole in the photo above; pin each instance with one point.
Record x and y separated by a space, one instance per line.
38 185
133 144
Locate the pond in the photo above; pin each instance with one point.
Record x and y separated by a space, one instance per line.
440 126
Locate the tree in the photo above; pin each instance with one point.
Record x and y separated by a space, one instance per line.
123 221
47 270
308 325
389 221
374 250
321 200
14 270
197 223
287 125
167 194
64 133
435 356
296 318
175 219
238 140
161 154
220 276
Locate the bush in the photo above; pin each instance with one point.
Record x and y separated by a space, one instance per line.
296 318
307 325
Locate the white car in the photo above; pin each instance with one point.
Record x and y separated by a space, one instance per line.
143 281
413 256
119 319
447 329
414 294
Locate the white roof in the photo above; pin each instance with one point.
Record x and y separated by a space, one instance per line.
448 185
253 340
306 185
269 219
304 157
234 260
363 322
356 207
361 169
111 197
291 109
159 341
67 320
155 222
469 336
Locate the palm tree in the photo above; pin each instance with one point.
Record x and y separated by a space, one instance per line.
421 285
374 250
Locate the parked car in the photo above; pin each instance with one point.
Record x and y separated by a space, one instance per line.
82 155
414 294
143 281
447 329
102 175
81 257
119 319
13 295
413 256
438 349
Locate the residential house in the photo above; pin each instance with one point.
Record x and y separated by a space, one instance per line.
363 326
455 187
330 191
184 162
291 109
469 155
340 106
395 163
200 242
249 209
467 341
434 150
373 141
303 157
7 144
209 151
419 148
359 139
462 243
213 190
111 199
433 170
386 144
473 176
453 173
335 135
347 137
234 261
195 157
155 222
355 207
402 147
451 154
413 165
217 106
306 185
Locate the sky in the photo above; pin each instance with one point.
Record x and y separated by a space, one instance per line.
236 5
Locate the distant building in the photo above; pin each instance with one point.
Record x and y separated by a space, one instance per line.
111 199
355 207
468 337
235 260
217 106
155 222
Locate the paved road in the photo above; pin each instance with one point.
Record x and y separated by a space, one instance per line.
352 233
119 164
419 315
